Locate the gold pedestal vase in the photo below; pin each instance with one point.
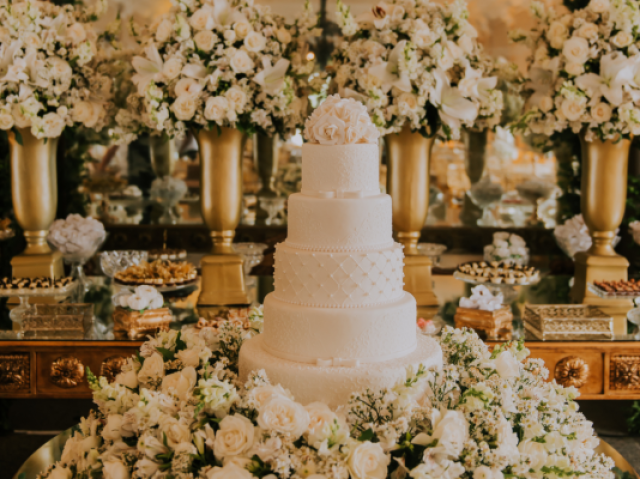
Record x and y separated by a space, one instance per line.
220 204
408 156
475 143
163 154
603 198
34 191
266 151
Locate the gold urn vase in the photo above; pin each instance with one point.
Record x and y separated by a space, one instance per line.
34 191
603 197
221 206
409 158
266 151
163 154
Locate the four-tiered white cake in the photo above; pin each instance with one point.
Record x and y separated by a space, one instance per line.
339 320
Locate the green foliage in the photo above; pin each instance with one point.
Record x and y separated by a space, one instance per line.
567 149
574 5
633 421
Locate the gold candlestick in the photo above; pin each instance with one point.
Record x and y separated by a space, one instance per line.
34 190
409 156
603 198
221 202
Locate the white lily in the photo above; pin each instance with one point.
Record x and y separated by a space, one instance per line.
453 106
271 78
7 53
475 86
388 72
147 69
191 70
224 14
616 72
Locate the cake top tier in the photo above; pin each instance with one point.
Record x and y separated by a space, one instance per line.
340 121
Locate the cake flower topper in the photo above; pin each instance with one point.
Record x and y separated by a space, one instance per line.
340 121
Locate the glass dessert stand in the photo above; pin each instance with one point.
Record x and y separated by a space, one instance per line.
509 291
25 294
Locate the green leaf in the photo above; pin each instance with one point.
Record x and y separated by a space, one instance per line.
167 355
180 344
367 435
18 137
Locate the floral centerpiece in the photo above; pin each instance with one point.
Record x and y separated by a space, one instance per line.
139 313
225 63
77 235
177 411
583 70
416 62
50 75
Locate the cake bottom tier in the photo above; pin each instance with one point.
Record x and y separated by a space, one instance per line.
333 385
369 334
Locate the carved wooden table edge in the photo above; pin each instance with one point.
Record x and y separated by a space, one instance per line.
59 369
598 369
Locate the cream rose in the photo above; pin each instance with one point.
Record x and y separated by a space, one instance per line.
255 42
84 112
6 121
51 125
216 108
61 69
573 109
262 394
283 35
111 431
236 97
20 116
574 69
599 6
408 102
174 430
31 40
76 33
234 437
190 357
507 365
181 383
557 34
576 50
128 379
322 422
329 130
284 416
601 113
164 31
202 19
589 31
622 39
60 473
205 40
535 452
115 470
368 461
152 369
545 104
242 29
229 471
230 36
188 86
241 62
185 107
172 68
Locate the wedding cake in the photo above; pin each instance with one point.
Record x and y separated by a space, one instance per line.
339 320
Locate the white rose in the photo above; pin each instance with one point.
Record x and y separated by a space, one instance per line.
262 394
21 119
321 422
234 437
229 471
85 113
187 86
601 113
202 19
190 357
60 473
76 33
255 42
622 39
576 50
535 452
111 430
241 62
573 109
557 34
185 107
408 102
128 379
368 461
174 430
574 69
181 383
485 472
229 36
137 302
236 97
284 416
6 121
172 68
205 40
329 130
451 431
283 35
599 6
31 40
216 108
164 31
589 31
242 29
50 125
115 470
507 365
152 369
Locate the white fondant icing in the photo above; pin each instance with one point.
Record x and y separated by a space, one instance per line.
333 385
333 280
371 334
346 168
340 224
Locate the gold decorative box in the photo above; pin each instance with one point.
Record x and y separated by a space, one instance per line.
129 324
70 321
496 324
567 322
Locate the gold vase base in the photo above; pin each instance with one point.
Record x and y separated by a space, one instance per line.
590 268
222 281
418 282
33 265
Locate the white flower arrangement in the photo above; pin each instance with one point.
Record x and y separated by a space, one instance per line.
483 299
50 69
584 70
177 410
225 63
142 298
507 247
573 236
416 62
76 235
340 121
